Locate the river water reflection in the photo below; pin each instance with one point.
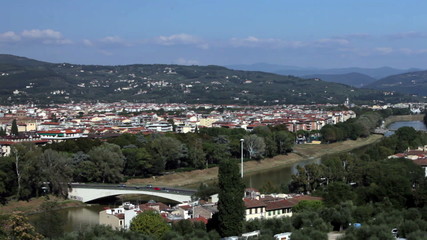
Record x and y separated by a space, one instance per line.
82 217
276 177
75 218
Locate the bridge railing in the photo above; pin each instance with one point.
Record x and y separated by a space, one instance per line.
148 188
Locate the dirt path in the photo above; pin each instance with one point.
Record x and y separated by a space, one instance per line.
301 152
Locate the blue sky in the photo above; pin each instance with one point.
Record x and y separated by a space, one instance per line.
324 34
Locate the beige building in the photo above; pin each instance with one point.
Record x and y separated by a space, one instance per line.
119 218
207 122
270 206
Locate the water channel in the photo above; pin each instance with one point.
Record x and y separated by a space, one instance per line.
82 217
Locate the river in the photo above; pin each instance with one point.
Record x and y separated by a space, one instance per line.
82 217
417 125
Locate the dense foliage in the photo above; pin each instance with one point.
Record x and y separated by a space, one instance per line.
149 223
231 209
352 128
366 186
24 173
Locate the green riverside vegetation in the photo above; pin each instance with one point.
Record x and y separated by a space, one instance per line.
362 186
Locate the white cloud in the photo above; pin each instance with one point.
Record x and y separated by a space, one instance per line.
112 39
9 37
357 36
408 51
181 39
41 34
45 36
407 35
88 42
177 39
105 52
252 41
383 50
331 42
183 61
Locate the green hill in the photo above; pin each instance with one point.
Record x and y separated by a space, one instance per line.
26 80
351 79
409 83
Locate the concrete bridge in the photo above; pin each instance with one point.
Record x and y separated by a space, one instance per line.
90 192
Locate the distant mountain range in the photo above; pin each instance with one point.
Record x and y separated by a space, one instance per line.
375 73
409 81
352 79
25 80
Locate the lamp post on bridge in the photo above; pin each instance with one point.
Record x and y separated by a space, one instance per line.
241 159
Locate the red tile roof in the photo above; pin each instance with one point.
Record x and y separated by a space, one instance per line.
199 219
252 203
280 204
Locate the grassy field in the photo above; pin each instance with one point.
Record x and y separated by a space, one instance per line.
301 152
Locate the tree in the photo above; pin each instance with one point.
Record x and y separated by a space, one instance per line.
205 191
50 223
196 154
99 232
14 129
149 223
56 169
167 150
308 205
27 169
329 133
231 209
109 162
2 132
254 145
18 227
284 141
7 178
337 192
138 162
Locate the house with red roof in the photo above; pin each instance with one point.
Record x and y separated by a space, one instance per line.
418 156
271 206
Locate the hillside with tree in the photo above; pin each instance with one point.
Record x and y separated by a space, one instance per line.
352 79
25 80
410 83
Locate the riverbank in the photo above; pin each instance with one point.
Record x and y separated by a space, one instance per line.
403 118
33 205
301 152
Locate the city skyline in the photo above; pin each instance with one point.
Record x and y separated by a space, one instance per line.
305 33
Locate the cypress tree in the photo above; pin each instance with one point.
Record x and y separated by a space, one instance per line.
14 130
2 132
231 209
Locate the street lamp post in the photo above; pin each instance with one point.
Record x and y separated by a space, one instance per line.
241 159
